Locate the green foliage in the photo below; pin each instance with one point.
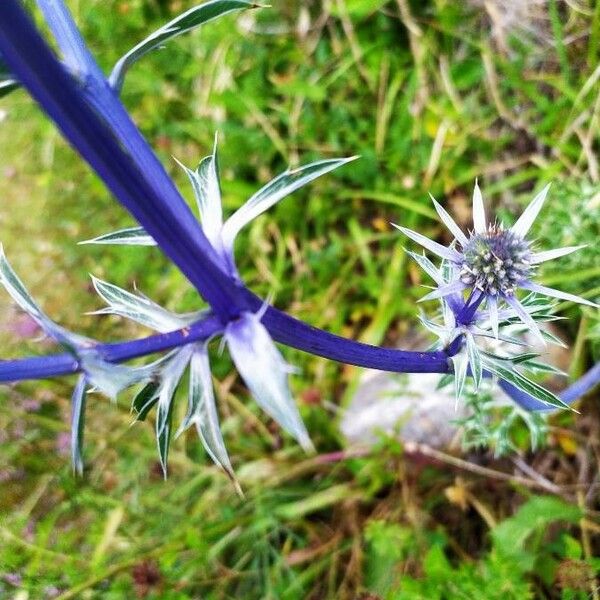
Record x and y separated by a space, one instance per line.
283 94
522 549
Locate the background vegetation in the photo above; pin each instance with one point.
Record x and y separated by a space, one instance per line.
431 95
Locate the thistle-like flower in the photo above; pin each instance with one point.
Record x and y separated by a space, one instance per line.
493 261
254 353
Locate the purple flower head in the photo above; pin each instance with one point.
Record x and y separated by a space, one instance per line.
493 261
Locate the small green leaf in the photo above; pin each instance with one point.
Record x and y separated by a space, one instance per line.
445 380
510 536
77 424
185 22
132 236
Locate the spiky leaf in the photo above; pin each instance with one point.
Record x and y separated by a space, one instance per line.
187 21
474 360
265 373
511 375
131 236
139 308
144 400
77 424
277 189
202 411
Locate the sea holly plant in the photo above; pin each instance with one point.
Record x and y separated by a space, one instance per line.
480 280
249 342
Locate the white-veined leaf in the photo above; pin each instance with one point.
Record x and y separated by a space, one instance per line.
512 376
144 400
139 308
131 236
474 360
265 373
502 338
277 189
170 376
461 363
187 21
202 411
107 377
207 191
427 266
77 424
19 293
441 251
438 330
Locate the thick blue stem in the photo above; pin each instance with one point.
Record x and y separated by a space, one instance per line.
132 173
43 367
138 180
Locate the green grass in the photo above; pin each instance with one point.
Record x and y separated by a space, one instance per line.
427 111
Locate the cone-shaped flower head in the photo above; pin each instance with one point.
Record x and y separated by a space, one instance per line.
494 261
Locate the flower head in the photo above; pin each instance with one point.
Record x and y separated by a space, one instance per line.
493 261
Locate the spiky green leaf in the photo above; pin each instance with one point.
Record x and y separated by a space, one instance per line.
507 372
185 22
131 236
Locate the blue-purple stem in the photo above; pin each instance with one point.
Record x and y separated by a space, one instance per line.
43 367
107 138
92 118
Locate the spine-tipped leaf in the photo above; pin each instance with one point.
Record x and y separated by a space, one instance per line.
265 373
185 22
207 192
202 411
131 236
474 360
273 192
170 376
77 424
508 373
461 363
20 294
139 308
